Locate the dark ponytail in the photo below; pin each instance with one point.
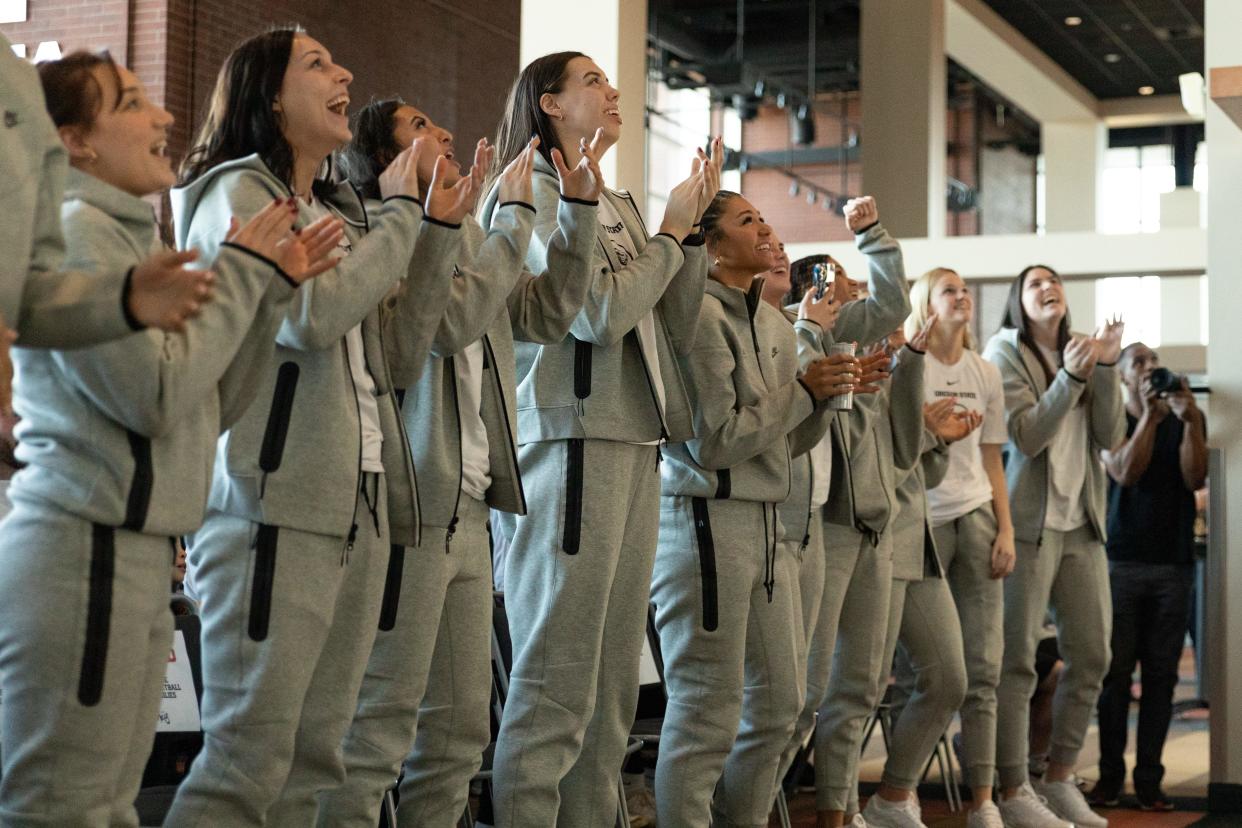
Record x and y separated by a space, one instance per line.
373 147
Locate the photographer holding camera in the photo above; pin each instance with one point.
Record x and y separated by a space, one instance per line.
1151 511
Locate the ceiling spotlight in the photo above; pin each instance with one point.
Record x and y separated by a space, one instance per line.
1147 90
827 203
1112 57
743 165
811 198
1073 21
793 189
760 86
782 100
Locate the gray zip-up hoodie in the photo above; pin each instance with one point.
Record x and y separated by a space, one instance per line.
493 296
795 510
863 481
595 383
880 438
1034 410
914 545
47 306
123 434
294 457
751 409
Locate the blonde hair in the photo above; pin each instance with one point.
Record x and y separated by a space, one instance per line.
920 303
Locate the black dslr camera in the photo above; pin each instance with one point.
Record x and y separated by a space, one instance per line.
1163 381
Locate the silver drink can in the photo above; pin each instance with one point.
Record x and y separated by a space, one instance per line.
841 402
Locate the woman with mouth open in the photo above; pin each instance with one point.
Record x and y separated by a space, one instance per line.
593 408
727 610
314 482
429 673
1063 407
118 441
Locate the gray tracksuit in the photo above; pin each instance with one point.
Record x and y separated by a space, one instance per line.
923 621
578 570
291 560
1067 570
430 668
874 444
118 440
864 321
725 609
47 306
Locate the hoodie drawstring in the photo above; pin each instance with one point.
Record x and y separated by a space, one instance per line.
769 552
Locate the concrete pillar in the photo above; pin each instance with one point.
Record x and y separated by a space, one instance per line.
614 34
1073 173
903 113
1224 258
1181 301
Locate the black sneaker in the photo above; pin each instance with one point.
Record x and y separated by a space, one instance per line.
1154 800
1105 794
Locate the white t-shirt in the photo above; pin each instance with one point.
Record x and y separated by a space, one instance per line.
1067 465
364 383
476 475
5 506
821 471
976 384
624 249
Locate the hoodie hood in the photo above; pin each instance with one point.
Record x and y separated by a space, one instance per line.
342 196
134 214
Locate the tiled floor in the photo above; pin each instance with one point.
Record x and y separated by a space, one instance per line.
1185 760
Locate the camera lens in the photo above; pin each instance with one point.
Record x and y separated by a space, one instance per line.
1164 381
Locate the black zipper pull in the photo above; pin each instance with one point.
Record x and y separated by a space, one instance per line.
448 536
349 544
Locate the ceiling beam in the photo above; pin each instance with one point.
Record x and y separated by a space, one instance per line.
997 53
1153 110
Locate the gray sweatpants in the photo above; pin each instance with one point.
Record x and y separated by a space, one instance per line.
1068 572
923 621
85 633
577 582
730 661
858 584
288 622
965 547
429 671
819 636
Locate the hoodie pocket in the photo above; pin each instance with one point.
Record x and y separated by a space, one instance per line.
273 448
707 563
573 497
582 369
98 615
392 588
262 582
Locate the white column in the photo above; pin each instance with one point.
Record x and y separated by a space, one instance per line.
1073 173
614 34
1224 257
903 76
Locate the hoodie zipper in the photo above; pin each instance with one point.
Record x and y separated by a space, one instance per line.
451 365
1038 395
489 358
353 527
138 503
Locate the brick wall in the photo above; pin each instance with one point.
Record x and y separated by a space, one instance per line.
456 60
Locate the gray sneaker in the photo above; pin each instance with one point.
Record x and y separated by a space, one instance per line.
1067 802
986 815
1026 809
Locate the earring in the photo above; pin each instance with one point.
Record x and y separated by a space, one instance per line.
717 262
92 157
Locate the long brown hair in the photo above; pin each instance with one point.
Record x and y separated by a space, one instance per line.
524 117
240 120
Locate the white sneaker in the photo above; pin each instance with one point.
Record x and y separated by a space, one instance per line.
880 813
1026 809
1069 804
986 815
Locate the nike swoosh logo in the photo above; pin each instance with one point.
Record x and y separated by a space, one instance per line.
951 382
